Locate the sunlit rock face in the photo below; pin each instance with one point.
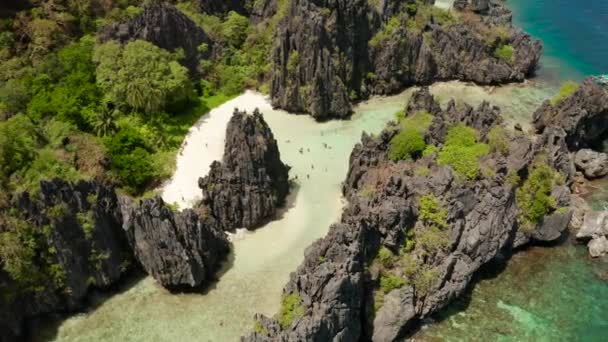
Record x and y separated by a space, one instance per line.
251 181
327 55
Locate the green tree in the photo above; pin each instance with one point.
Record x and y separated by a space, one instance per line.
68 88
505 53
407 144
104 121
140 76
461 151
534 197
19 138
131 158
235 29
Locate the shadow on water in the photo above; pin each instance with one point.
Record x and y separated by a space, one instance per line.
46 327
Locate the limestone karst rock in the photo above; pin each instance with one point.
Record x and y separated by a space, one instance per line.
251 181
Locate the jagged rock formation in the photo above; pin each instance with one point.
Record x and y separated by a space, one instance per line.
591 163
71 237
398 209
251 181
179 250
164 26
65 241
327 54
582 115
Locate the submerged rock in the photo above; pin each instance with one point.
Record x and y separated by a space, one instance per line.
166 27
327 54
251 182
415 231
178 249
582 115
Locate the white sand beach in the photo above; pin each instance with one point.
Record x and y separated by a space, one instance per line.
253 278
203 145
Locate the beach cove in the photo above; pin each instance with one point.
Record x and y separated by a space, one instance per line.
253 278
543 293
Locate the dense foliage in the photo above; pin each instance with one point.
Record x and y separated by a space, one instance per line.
462 151
65 89
534 196
140 76
409 142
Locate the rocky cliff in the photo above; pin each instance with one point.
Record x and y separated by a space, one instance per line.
164 26
251 181
416 230
329 53
582 115
179 249
57 245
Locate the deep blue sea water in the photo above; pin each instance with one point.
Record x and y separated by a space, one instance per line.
544 294
574 33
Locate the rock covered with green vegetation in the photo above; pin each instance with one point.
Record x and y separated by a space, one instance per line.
581 110
178 249
55 245
166 27
418 227
69 237
328 54
245 189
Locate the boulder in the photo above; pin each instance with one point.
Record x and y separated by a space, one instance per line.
84 236
598 247
580 208
595 224
593 164
251 182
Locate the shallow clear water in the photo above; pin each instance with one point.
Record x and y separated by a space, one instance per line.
544 294
574 33
254 278
262 260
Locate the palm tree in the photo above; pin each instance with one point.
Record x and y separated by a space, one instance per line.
104 123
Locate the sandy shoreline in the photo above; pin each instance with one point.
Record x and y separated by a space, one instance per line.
204 144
